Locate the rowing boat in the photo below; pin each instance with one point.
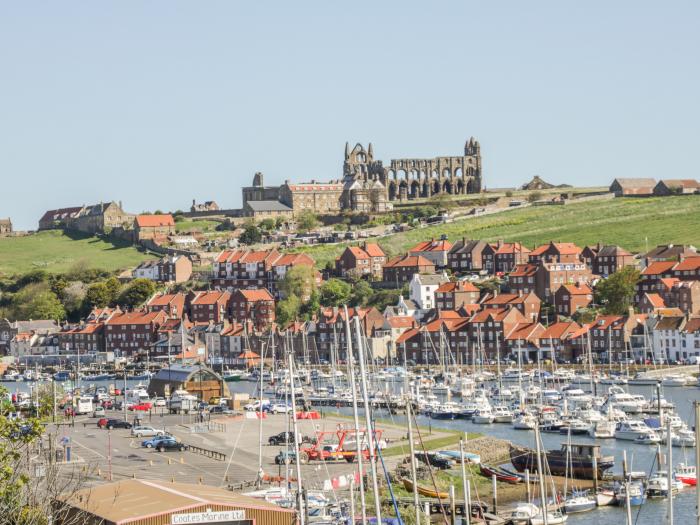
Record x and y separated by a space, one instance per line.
423 491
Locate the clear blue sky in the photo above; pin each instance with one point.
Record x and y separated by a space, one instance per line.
156 103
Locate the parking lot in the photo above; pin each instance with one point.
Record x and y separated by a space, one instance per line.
237 437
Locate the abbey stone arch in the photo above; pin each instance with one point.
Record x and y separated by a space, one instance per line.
409 178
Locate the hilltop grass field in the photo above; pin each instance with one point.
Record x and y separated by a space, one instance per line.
56 251
633 223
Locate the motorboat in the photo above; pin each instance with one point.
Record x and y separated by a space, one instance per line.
523 513
525 422
483 417
605 497
457 456
555 517
502 414
675 380
575 427
603 429
579 502
658 486
687 474
636 492
643 379
634 430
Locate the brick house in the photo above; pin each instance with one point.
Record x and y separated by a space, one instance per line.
454 295
466 256
524 338
173 304
364 260
501 257
688 269
523 278
400 270
435 251
610 259
667 252
551 275
571 297
685 295
554 341
210 306
611 333
87 336
131 333
442 340
561 252
487 329
257 305
651 303
650 277
422 289
528 304
59 218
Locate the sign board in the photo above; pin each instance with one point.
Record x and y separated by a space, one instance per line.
226 516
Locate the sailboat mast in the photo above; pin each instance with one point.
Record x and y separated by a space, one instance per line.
414 476
300 503
369 430
356 417
260 418
540 473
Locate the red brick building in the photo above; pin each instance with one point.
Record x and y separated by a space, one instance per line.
454 295
550 276
210 306
435 251
561 252
501 257
400 270
131 333
173 304
255 305
571 297
153 226
523 278
365 260
527 304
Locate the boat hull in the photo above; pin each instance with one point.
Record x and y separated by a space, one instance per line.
581 467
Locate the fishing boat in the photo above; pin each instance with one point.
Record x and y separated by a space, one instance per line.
502 414
658 486
637 494
424 491
501 475
687 474
581 460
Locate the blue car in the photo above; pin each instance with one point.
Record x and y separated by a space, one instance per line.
153 442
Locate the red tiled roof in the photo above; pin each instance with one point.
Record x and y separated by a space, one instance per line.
154 221
457 286
578 289
211 297
603 322
659 267
402 321
165 299
136 317
559 330
655 300
358 252
432 246
408 260
511 247
524 270
374 250
567 248
690 263
258 294
693 325
669 282
290 259
525 331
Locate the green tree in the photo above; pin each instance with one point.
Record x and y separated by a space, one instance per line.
251 234
137 292
97 296
307 221
267 224
114 287
534 196
361 293
287 310
335 292
616 293
279 222
300 281
310 307
37 301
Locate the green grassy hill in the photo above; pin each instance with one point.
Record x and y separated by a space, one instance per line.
631 223
56 251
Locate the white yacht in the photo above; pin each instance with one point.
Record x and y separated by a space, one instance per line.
502 414
525 422
483 417
634 431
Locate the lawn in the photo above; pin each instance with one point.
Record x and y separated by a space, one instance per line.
195 225
634 224
56 251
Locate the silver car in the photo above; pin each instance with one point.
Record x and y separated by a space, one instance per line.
146 432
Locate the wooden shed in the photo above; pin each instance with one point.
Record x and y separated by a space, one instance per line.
199 380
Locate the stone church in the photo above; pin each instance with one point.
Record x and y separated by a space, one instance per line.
370 187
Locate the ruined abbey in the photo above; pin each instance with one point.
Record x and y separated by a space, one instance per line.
370 186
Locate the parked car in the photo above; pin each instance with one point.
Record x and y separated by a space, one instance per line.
283 457
281 438
145 407
255 406
170 443
99 412
146 431
280 408
159 402
111 423
153 442
218 409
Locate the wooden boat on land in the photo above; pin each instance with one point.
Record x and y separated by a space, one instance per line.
424 491
501 475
